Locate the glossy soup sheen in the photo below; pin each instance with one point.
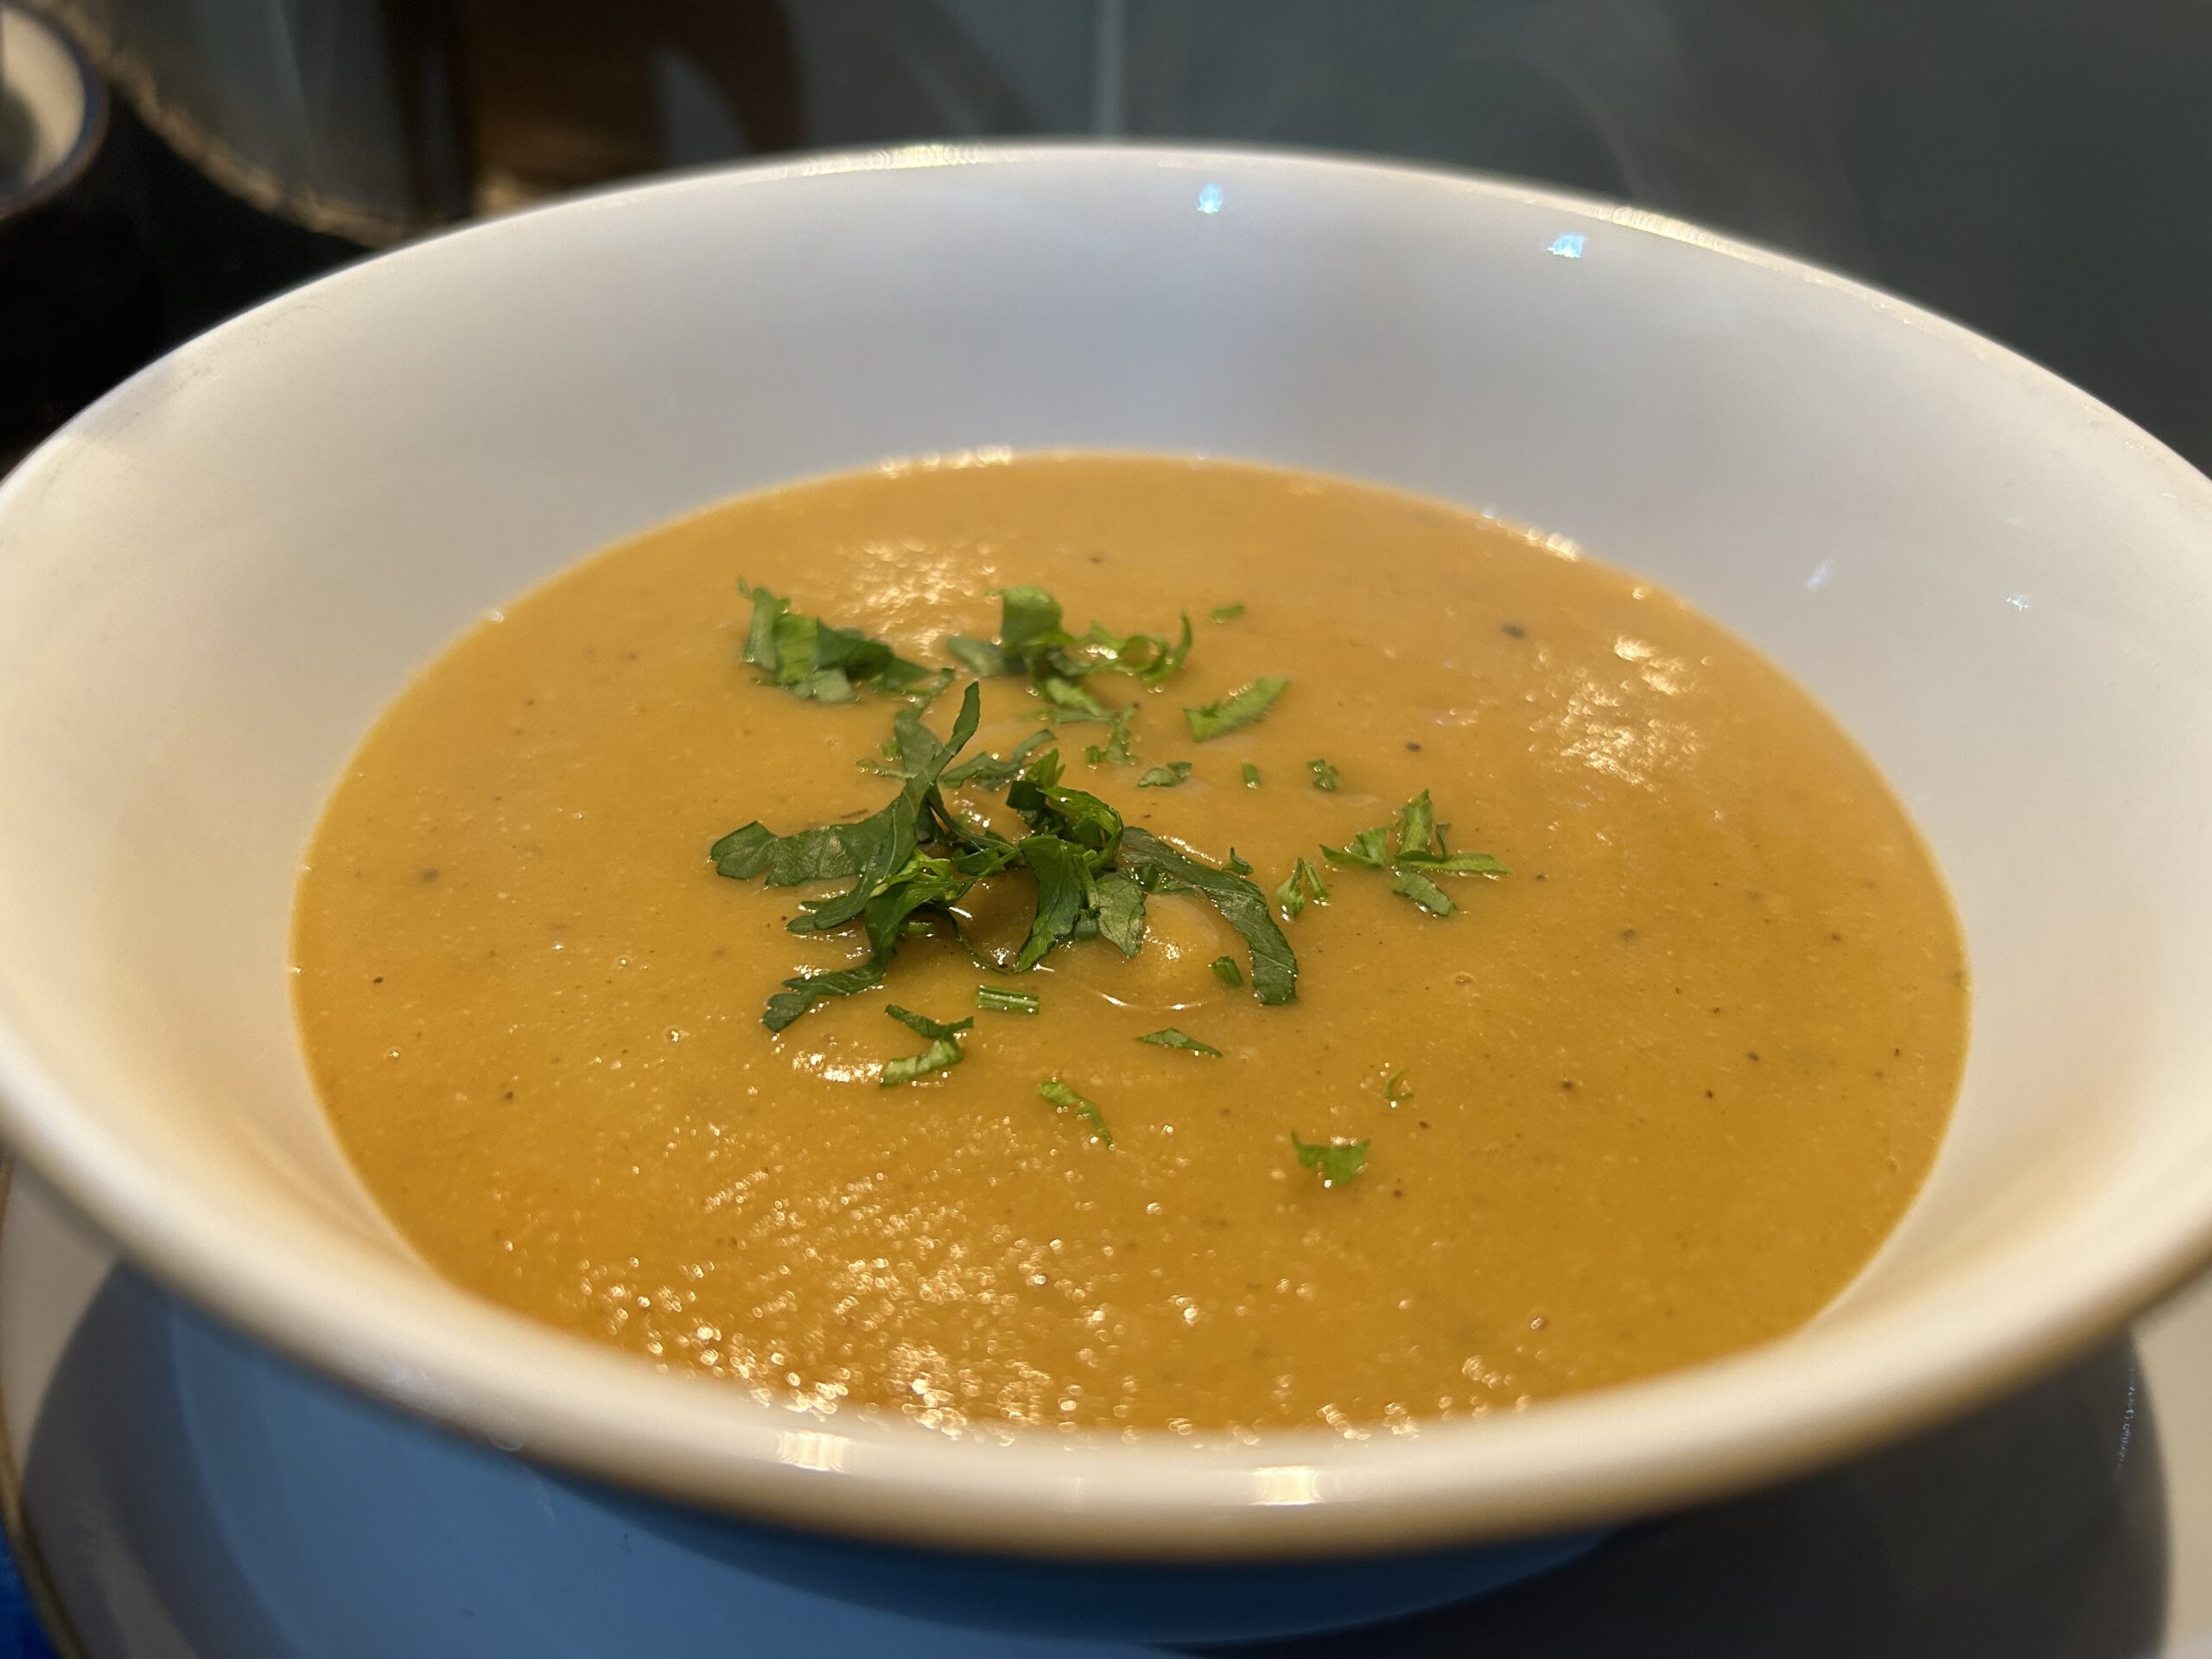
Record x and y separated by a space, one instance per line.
1661 1089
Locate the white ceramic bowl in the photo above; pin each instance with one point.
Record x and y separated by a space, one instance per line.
212 582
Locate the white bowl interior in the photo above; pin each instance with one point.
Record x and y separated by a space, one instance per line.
212 583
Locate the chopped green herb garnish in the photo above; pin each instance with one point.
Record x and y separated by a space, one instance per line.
803 992
990 771
996 999
1237 710
1395 1087
893 878
1325 775
1065 1099
944 1049
1165 777
1114 751
1228 613
1412 847
810 658
1168 1037
1236 865
922 1025
1423 891
1302 887
1119 908
911 1068
1369 850
909 864
1161 868
1416 826
1226 970
1032 641
1338 1160
1251 776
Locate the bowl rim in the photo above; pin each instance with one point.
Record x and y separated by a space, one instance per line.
497 1376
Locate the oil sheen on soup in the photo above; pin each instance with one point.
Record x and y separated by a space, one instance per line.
1627 1011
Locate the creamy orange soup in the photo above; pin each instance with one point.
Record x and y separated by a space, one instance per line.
1654 1093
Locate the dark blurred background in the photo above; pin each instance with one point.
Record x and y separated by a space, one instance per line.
2041 169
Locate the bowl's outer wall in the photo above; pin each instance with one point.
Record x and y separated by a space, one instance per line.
212 582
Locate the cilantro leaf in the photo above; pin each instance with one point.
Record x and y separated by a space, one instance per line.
1158 866
1251 776
1165 777
811 658
1338 1160
891 877
1120 912
1168 1037
1302 887
1063 889
1234 712
1067 1100
935 1030
1416 826
1228 613
1033 640
1453 863
1226 970
1235 865
1072 814
802 993
1325 775
998 999
1116 750
1366 849
911 1068
1423 891
990 771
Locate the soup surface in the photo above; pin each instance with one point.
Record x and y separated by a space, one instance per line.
1654 1094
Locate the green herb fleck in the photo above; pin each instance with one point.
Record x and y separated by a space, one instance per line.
944 1049
1325 775
1236 865
1251 776
1228 613
1234 712
1225 970
1165 777
1412 847
911 1068
1395 1087
1116 750
922 1025
996 999
1338 1160
1168 1037
1369 850
990 771
810 658
1423 891
1302 887
1066 1100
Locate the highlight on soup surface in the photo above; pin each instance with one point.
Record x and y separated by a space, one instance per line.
1122 942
